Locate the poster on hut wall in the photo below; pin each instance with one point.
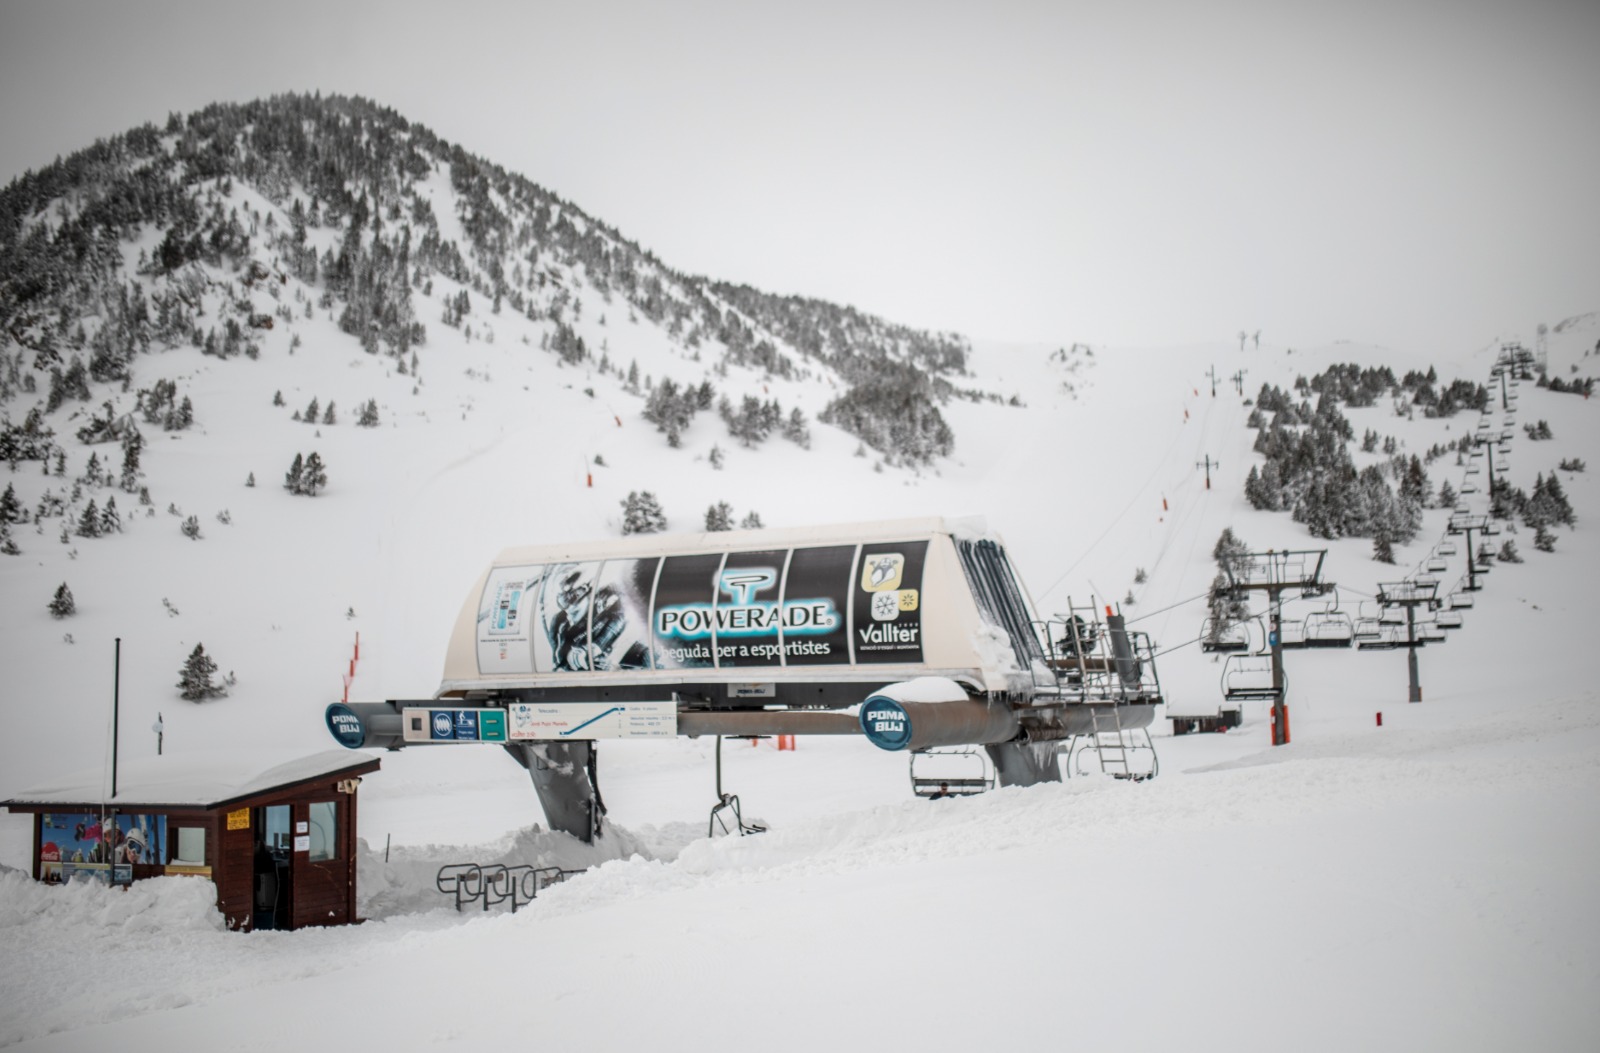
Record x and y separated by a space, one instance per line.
75 846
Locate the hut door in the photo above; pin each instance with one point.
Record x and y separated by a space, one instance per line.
322 888
272 873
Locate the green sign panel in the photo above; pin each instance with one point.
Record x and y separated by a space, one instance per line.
491 725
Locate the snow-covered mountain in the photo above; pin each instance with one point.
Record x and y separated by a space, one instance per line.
1362 885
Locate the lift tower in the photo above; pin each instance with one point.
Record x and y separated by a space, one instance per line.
1410 595
1275 573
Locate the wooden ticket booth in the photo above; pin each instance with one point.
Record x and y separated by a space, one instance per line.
277 840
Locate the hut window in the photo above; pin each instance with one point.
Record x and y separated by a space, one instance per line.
191 846
324 831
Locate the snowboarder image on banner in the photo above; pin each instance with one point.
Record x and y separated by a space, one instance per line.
568 628
883 572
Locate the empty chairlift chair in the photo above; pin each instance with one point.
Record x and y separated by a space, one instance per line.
1330 628
1448 619
954 771
1248 676
1223 638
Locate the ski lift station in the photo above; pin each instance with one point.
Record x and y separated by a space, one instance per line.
277 840
915 634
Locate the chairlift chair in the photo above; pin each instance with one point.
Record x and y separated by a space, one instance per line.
1448 619
1386 639
950 771
1291 634
1227 639
1447 548
1430 632
1502 466
1437 564
1248 676
1330 628
1367 629
1473 469
1392 616
1468 487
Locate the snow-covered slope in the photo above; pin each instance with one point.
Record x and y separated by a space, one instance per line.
1362 885
1421 884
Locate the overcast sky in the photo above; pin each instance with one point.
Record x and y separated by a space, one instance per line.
1421 175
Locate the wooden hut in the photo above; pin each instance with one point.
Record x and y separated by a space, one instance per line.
277 839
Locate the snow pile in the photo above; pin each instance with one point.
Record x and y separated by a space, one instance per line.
91 911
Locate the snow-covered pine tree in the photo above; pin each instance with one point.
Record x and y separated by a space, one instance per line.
89 522
751 521
110 519
796 430
8 544
1508 553
194 677
313 412
716 457
642 514
369 414
191 528
1543 540
132 447
315 476
293 478
10 507
1447 495
1382 548
719 517
250 480
63 606
329 416
1229 552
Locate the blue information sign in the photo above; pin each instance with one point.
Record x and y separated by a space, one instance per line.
467 724
443 723
885 723
345 726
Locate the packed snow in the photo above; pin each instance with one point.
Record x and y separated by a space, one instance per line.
1425 883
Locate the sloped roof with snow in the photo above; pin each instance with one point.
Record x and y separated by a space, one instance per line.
193 781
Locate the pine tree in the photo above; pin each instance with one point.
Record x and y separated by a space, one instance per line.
10 507
250 481
1383 549
1230 552
1543 540
277 397
110 520
1447 496
369 414
329 416
89 522
8 544
642 514
719 517
1508 553
132 447
752 521
796 430
194 678
63 606
191 528
293 478
716 457
315 477
313 412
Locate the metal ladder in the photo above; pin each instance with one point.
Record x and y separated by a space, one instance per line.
1113 756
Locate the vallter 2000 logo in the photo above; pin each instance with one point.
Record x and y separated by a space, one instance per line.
882 575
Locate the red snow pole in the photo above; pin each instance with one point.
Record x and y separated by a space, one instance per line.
1380 718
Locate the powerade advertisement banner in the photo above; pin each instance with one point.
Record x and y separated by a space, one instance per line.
76 846
826 605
